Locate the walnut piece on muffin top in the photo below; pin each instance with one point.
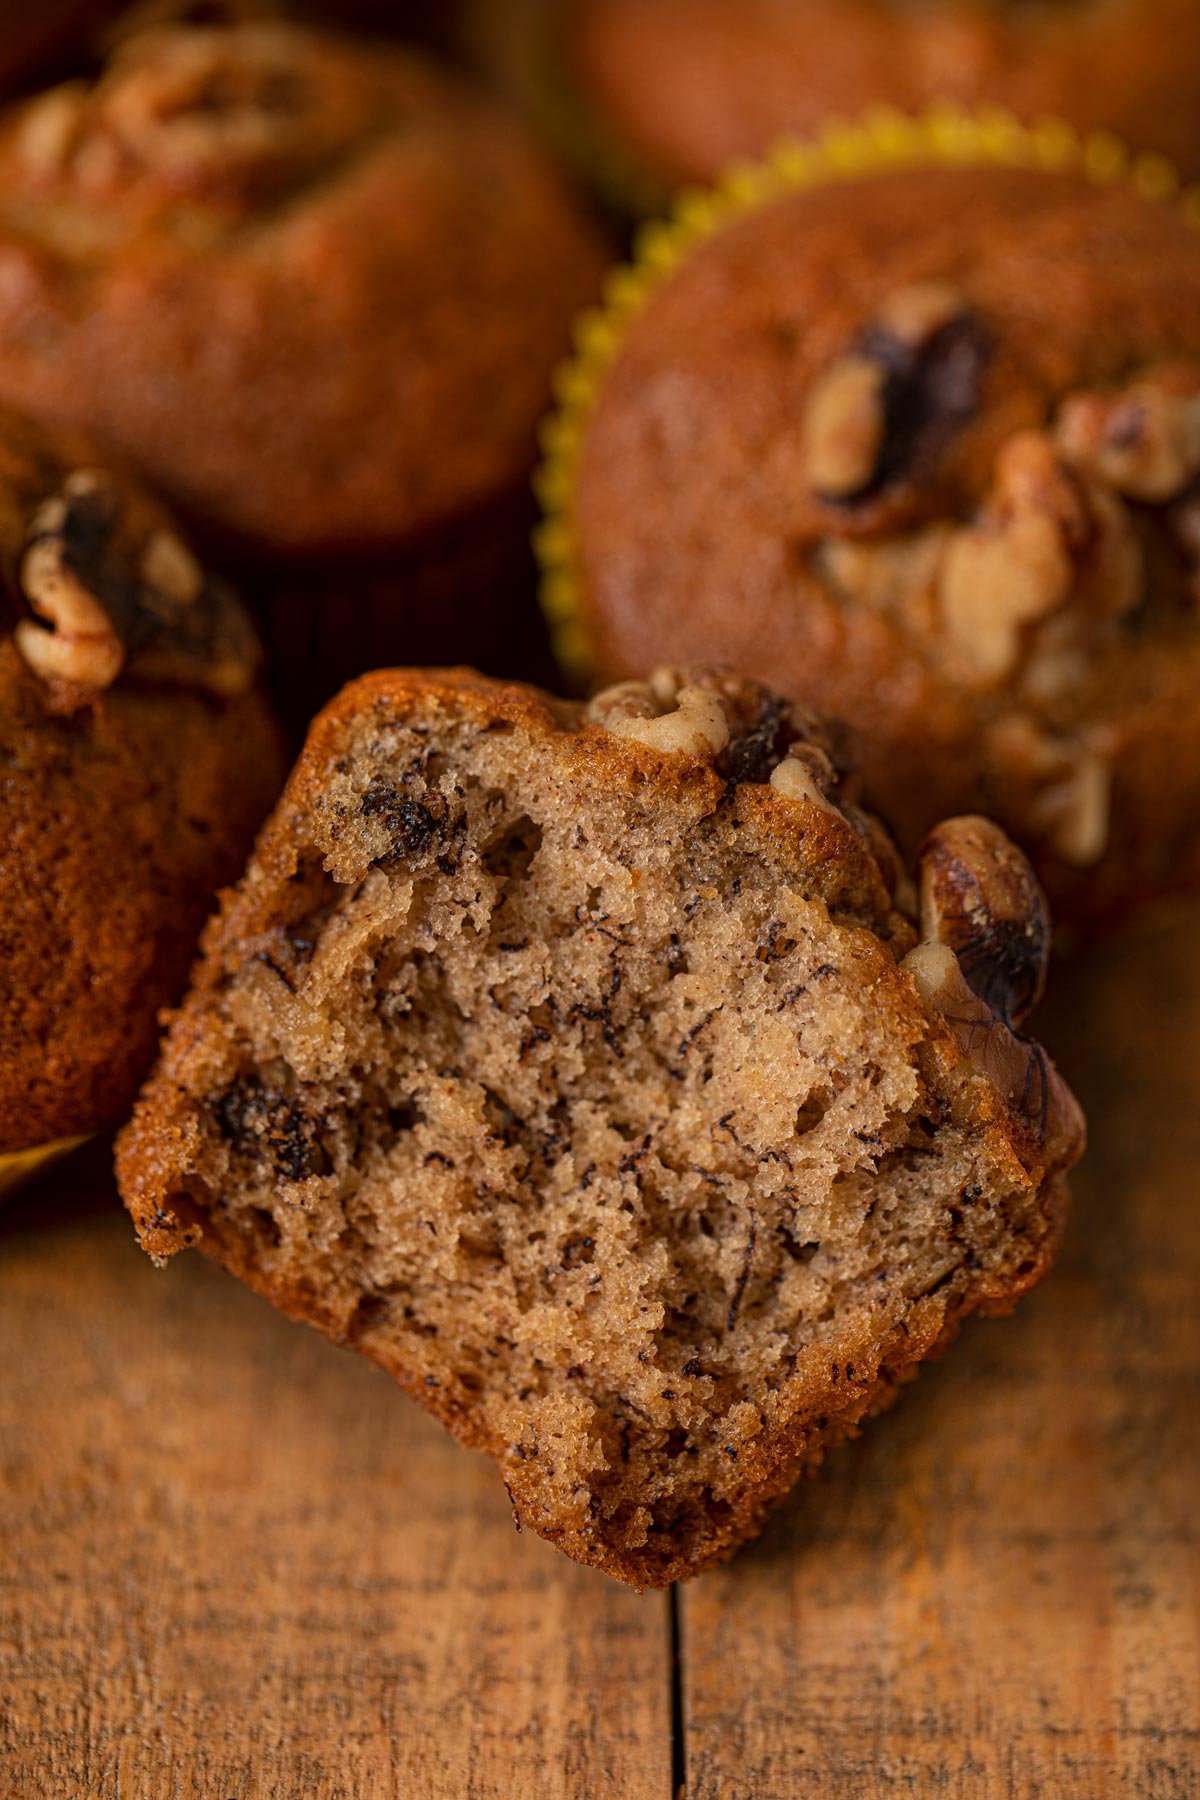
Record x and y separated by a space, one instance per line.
949 490
108 583
602 1074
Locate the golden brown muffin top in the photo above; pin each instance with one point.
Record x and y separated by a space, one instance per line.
692 84
951 430
315 290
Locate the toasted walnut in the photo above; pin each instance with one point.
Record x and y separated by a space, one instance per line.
695 725
899 575
979 896
844 425
914 315
1076 813
111 585
623 700
242 111
1111 570
799 777
1018 1070
84 646
190 104
981 965
1046 537
1015 565
885 408
1069 783
49 130
169 567
1143 441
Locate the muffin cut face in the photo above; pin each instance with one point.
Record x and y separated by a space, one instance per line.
573 1070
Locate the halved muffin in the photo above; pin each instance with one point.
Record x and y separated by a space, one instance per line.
589 1070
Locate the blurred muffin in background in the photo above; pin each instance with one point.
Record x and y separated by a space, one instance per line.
315 291
139 758
951 496
650 94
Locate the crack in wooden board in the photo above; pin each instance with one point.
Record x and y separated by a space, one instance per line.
995 1593
238 1565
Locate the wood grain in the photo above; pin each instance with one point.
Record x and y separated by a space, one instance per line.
236 1564
995 1594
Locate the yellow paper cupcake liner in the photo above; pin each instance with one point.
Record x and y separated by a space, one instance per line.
19 1166
944 135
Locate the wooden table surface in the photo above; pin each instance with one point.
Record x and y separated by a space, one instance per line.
236 1564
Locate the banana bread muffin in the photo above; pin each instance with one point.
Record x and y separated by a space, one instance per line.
949 492
652 93
138 756
588 1070
315 290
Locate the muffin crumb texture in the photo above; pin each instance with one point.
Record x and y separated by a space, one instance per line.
574 1064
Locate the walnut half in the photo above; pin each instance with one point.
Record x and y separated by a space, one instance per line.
883 410
112 587
1049 535
667 713
981 965
981 899
245 112
746 732
1144 440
